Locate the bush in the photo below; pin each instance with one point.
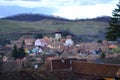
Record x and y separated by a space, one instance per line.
110 51
116 50
112 60
103 55
99 41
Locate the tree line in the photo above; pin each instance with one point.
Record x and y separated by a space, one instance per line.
39 17
33 17
113 31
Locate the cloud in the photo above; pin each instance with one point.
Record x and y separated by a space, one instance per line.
73 12
67 8
21 3
53 3
30 0
20 0
13 10
38 3
86 11
86 2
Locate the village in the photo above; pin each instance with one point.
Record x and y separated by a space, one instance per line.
58 46
59 40
57 54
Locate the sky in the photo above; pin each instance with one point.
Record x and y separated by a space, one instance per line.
70 9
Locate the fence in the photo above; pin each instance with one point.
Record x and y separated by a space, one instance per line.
10 66
108 70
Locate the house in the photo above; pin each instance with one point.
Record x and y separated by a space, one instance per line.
40 42
46 39
5 49
29 41
69 42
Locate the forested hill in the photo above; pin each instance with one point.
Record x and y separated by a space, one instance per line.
39 17
102 19
32 17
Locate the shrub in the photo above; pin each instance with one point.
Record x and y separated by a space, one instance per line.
103 55
116 50
99 41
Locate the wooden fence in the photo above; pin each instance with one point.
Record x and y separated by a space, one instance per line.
11 66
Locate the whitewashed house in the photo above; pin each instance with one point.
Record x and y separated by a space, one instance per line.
40 42
69 42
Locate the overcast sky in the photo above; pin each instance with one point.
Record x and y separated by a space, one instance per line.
71 9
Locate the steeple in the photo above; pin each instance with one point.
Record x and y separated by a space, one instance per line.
58 34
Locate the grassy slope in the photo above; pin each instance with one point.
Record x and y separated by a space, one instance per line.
79 27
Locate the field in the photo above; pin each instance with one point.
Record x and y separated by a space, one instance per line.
77 27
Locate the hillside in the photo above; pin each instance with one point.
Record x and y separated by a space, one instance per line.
37 23
33 17
78 27
39 17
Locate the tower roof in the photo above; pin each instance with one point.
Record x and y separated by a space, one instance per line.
58 31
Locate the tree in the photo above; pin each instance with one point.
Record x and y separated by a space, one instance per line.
21 53
14 52
113 31
39 35
18 53
23 43
3 42
66 32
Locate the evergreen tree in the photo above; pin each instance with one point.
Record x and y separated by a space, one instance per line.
14 52
23 43
39 35
113 32
21 53
18 53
